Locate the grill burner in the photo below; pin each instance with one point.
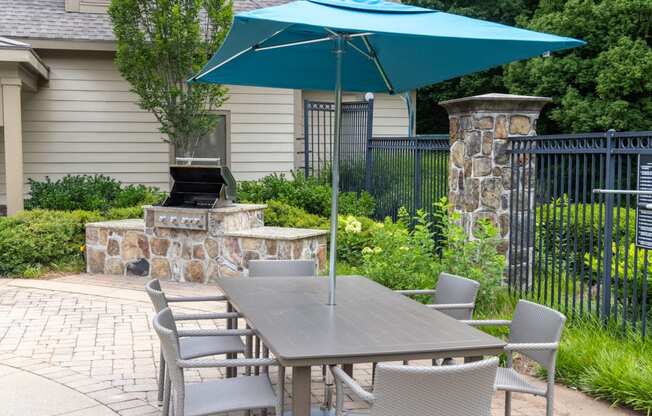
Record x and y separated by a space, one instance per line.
201 186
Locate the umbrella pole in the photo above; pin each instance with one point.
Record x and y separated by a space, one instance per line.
335 168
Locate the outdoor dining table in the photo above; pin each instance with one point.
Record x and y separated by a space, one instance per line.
369 323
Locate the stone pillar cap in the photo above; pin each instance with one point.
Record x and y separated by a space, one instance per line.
495 102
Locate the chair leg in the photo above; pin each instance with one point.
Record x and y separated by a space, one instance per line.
328 389
373 373
508 403
280 404
161 378
549 404
167 391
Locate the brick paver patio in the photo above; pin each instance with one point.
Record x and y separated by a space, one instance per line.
92 336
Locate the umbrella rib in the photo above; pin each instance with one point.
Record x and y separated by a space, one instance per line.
381 70
226 61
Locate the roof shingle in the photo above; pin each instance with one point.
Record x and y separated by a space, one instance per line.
47 19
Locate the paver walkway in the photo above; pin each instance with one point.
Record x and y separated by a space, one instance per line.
83 345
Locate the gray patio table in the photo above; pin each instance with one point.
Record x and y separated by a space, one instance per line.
370 323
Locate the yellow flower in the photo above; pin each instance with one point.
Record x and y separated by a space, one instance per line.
367 250
82 248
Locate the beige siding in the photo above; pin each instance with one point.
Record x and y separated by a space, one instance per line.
85 121
390 116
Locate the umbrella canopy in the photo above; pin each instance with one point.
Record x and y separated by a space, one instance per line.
412 46
363 46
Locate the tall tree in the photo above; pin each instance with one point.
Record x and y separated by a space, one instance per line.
431 118
160 44
605 84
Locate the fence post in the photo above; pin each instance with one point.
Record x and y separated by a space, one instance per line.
306 146
608 228
417 174
483 177
369 161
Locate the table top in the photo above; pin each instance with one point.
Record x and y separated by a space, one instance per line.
369 322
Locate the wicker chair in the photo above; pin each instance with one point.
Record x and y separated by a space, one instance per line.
195 343
454 295
455 390
535 332
218 396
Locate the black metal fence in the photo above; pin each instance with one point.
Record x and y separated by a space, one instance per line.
409 172
319 119
573 225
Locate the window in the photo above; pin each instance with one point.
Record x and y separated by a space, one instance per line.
215 144
87 6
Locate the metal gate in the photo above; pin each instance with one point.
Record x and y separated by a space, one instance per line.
573 225
357 121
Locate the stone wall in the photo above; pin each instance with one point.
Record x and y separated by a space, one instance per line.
480 166
235 236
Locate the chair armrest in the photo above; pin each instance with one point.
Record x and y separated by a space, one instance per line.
196 298
448 306
242 362
342 377
416 292
488 322
199 316
532 346
214 332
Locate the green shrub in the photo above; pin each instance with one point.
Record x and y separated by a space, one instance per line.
32 242
86 192
605 363
477 259
280 214
399 257
308 194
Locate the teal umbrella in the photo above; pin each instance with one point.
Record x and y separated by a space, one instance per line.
364 46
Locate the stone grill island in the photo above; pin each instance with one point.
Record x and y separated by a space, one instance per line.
233 236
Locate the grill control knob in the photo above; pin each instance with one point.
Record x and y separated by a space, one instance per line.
163 218
173 220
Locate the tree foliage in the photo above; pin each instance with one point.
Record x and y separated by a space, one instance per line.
432 118
160 44
605 84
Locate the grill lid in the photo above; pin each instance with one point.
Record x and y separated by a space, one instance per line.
200 186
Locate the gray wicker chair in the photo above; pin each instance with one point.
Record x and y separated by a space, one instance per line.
535 332
454 295
455 390
218 396
195 343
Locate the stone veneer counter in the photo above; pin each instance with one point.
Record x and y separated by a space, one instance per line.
234 235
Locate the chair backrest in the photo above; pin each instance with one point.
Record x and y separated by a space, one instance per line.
454 390
534 323
456 289
282 268
166 329
156 295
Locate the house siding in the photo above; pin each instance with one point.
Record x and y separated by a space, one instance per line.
86 121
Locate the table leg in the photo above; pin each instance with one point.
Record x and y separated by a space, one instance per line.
301 391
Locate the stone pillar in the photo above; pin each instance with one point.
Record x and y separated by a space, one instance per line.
480 168
13 143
